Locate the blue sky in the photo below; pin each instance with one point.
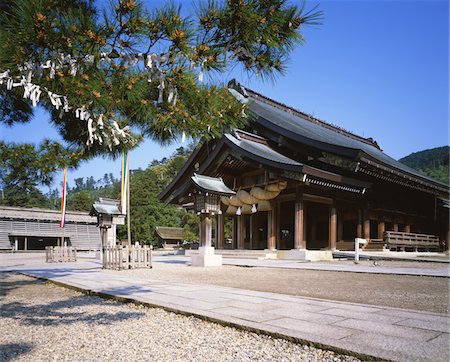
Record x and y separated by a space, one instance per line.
377 68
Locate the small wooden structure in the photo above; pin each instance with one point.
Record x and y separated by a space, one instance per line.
127 257
60 254
168 237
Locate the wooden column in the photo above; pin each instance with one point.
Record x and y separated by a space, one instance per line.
333 226
299 239
366 225
271 230
205 230
407 228
381 229
340 235
250 228
220 231
395 226
240 232
359 233
234 233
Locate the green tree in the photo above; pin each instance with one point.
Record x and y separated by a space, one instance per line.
109 81
80 202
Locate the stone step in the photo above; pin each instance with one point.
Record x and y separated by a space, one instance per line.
246 254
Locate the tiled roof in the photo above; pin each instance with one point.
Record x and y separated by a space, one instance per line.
308 130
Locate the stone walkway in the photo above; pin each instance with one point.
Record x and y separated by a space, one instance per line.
443 271
387 333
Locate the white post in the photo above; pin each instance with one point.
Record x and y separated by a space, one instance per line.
357 242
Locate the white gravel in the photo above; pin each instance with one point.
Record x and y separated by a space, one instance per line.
44 322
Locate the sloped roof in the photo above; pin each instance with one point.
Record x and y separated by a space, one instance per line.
261 151
305 129
169 233
22 213
211 184
101 208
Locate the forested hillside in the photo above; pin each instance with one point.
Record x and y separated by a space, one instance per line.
433 162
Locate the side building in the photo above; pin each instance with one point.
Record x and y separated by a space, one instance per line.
35 228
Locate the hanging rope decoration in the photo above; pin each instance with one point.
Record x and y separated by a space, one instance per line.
257 199
102 130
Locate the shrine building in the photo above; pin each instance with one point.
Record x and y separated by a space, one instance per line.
303 185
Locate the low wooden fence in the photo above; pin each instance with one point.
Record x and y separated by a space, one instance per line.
60 254
397 240
127 257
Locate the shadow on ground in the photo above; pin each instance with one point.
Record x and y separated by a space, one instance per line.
11 351
66 309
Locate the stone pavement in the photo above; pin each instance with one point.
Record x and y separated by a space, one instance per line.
443 271
382 332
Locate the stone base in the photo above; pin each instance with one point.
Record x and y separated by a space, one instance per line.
303 254
206 257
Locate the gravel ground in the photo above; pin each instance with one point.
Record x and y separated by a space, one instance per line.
42 322
399 291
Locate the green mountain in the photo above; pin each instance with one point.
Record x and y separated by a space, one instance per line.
433 162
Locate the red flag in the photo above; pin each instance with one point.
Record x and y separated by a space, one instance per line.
63 201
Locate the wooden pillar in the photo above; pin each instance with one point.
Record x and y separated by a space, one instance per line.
251 227
271 230
205 230
359 225
299 238
381 229
407 228
366 225
395 226
240 232
333 226
220 231
234 233
340 232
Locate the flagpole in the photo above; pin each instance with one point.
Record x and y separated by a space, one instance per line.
128 203
63 207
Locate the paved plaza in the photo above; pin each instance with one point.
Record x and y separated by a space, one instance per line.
366 330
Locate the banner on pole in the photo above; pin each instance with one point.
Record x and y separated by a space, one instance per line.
124 183
62 221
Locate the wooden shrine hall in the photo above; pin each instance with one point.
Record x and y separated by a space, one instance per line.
303 184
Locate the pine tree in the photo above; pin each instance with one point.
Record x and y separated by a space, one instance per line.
111 79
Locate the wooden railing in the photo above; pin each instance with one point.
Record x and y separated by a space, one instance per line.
126 257
398 240
60 254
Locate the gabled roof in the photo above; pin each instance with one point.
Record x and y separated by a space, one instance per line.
169 233
211 184
101 208
254 150
274 119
